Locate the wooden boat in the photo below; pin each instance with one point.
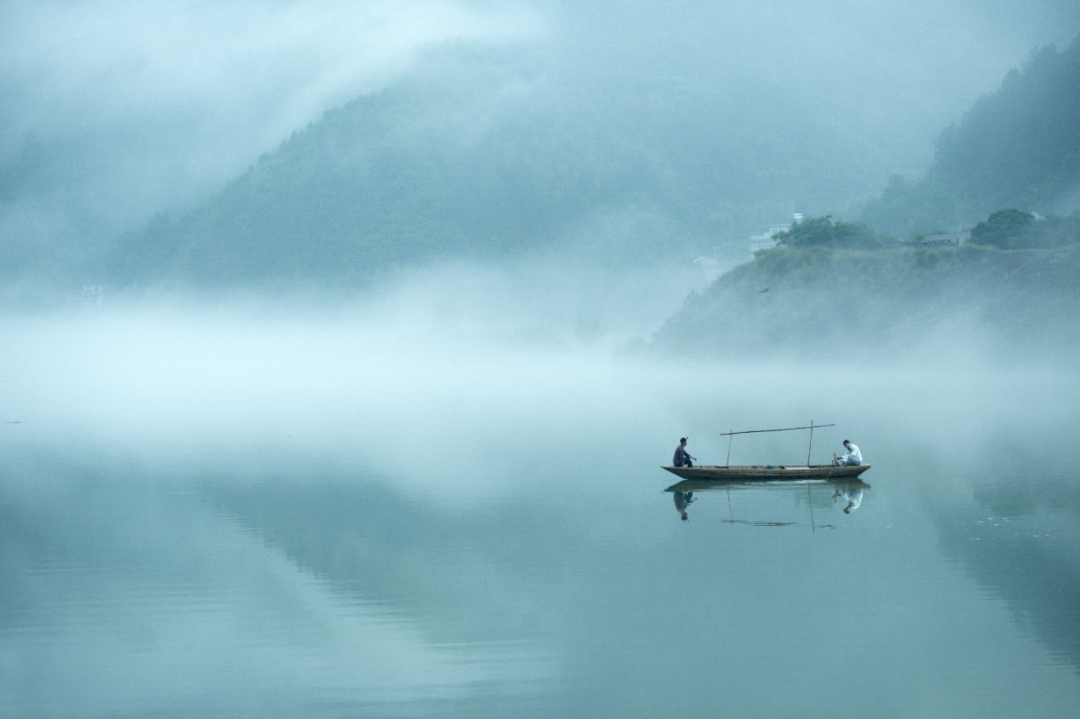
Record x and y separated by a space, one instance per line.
769 473
717 485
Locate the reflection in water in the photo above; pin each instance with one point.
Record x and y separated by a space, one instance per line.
850 490
852 494
1022 545
125 599
298 588
682 501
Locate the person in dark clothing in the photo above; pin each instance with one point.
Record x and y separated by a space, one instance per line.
682 457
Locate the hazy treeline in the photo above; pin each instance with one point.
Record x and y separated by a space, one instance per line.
1012 229
1016 148
483 153
1006 229
1014 288
824 232
675 133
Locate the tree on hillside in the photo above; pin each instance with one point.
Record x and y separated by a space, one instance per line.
823 232
1005 229
1015 230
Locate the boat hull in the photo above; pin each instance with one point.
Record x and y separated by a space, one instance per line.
761 472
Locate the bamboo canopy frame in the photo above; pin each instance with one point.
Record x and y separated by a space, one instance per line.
730 435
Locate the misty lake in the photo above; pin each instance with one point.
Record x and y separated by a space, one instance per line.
242 516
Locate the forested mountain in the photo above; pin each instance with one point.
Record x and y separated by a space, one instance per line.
481 154
444 164
486 153
1012 289
616 134
1016 148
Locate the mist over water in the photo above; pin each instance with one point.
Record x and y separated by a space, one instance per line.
435 489
231 509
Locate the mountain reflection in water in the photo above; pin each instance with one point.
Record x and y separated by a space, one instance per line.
362 555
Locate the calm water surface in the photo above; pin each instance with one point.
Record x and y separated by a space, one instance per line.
255 532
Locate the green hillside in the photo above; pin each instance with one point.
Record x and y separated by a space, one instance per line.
480 154
820 302
1014 287
1016 148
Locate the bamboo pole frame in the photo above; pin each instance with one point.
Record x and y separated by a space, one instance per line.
811 427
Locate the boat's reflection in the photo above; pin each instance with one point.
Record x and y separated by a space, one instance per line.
848 490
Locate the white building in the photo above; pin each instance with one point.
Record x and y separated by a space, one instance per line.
768 240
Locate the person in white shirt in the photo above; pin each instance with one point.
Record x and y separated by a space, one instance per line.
853 456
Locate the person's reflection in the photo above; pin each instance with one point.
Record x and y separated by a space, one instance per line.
852 493
682 501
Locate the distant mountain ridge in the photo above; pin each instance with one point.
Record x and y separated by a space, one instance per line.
480 154
1018 147
413 173
1013 290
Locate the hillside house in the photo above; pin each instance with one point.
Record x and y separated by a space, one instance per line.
768 240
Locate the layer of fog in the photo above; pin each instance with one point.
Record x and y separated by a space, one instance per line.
123 429
130 109
115 111
894 73
434 381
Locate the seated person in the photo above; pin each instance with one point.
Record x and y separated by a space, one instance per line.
682 457
853 456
